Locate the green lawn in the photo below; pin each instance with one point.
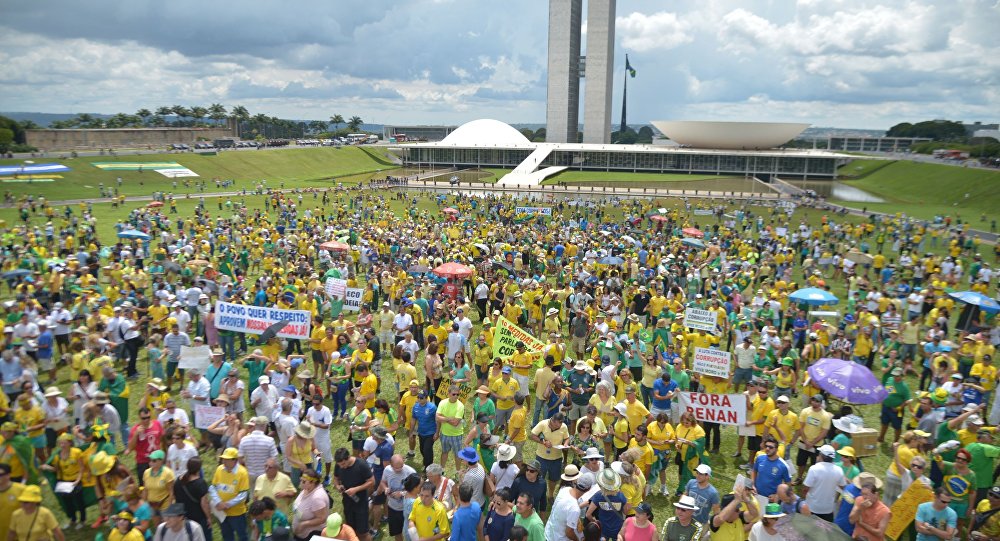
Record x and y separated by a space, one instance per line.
306 167
861 168
927 189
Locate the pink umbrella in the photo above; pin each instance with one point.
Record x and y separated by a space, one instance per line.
155 204
453 270
692 232
335 246
658 218
449 210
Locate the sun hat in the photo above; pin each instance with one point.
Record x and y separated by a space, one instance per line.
621 408
52 391
773 510
580 365
468 454
921 433
101 398
506 452
333 525
231 453
31 494
101 463
866 477
686 502
939 396
481 390
896 371
552 311
379 432
157 384
533 464
592 452
223 397
305 374
491 441
609 480
305 430
787 361
570 473
846 451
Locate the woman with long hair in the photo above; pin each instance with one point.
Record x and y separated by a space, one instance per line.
311 506
433 369
690 448
605 402
582 440
192 491
68 466
82 392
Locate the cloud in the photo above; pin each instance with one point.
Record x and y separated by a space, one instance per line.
661 30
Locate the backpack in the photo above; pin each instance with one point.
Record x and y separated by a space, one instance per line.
187 529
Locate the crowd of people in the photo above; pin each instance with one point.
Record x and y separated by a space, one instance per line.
575 436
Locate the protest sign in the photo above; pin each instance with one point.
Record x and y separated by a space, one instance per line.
711 362
703 212
336 287
727 409
255 319
904 510
194 357
781 231
204 416
465 389
352 299
530 211
696 318
506 334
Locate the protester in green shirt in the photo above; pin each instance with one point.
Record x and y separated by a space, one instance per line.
527 518
892 406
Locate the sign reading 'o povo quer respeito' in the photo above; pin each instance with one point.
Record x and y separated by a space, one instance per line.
255 319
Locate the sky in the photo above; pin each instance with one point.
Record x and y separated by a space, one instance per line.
844 63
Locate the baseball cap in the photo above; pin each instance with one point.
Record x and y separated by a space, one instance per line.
783 398
828 451
505 370
704 469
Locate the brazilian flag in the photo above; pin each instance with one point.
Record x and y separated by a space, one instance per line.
226 266
629 68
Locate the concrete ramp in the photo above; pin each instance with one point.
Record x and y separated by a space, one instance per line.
534 178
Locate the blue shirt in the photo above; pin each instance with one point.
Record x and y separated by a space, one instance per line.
45 345
943 519
661 388
770 474
465 522
969 394
610 513
844 511
706 498
425 417
498 526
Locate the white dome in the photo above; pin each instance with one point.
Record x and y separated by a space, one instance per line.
486 132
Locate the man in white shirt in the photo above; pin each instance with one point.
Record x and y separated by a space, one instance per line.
409 345
176 526
823 482
264 399
565 517
464 324
320 417
183 318
482 295
128 329
172 413
198 393
26 332
402 322
744 363
59 322
256 447
284 425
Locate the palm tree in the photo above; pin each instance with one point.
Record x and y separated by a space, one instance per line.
260 121
198 112
355 123
144 114
217 112
181 112
336 120
239 115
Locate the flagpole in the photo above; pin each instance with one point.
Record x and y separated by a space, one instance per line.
621 129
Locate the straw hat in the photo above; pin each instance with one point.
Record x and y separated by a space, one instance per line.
52 391
101 398
305 430
157 384
609 480
867 477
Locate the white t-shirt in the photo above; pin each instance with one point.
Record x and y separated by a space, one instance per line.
179 416
321 416
824 480
565 514
758 533
504 477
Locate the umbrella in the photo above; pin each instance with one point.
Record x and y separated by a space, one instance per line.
155 204
503 265
197 263
693 232
859 257
813 296
611 260
171 266
272 331
697 243
449 210
799 527
976 299
208 285
335 246
482 248
133 234
658 218
847 380
453 270
17 273
419 269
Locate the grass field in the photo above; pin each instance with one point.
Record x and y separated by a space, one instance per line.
925 190
861 168
725 467
306 167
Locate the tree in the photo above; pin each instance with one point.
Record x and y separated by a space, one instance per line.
217 112
539 136
27 125
355 123
144 114
181 112
239 115
198 113
528 133
260 122
336 120
939 130
645 135
164 111
6 139
318 126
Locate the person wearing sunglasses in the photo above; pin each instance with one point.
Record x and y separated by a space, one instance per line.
936 520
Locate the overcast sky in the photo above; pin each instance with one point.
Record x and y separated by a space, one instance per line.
845 63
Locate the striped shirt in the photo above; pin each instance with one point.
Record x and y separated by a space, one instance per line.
255 449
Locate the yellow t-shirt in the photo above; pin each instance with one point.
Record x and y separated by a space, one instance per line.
636 413
788 424
30 417
69 469
505 391
426 519
556 437
814 422
645 462
158 487
9 504
655 433
516 430
368 387
228 484
522 363
35 526
132 535
760 407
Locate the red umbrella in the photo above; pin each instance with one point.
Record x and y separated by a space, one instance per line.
155 204
453 270
692 232
658 218
449 210
334 246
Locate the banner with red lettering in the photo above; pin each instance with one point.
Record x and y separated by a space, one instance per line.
727 409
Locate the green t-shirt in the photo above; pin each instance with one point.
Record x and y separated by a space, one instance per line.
255 369
534 525
983 456
958 485
898 392
452 410
681 377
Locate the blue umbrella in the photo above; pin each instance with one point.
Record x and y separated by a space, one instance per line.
813 296
690 241
611 260
17 273
133 234
976 299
